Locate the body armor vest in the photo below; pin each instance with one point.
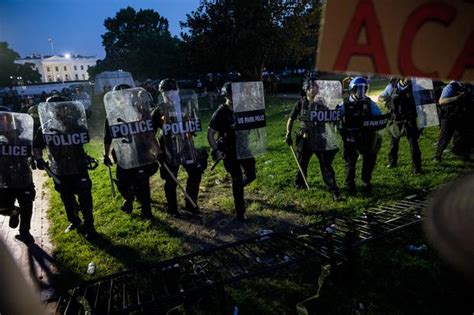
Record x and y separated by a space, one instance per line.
402 104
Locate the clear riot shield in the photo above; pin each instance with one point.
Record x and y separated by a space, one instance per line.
82 96
65 131
131 127
249 116
180 111
423 92
322 116
16 139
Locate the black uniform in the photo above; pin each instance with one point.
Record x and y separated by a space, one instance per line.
309 134
241 171
453 118
402 106
357 140
16 183
69 163
194 170
134 182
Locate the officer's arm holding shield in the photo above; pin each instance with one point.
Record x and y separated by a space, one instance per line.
64 132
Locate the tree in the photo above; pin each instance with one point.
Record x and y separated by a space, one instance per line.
28 74
7 64
139 42
11 70
246 35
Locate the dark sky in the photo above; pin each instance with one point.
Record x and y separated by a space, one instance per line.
74 25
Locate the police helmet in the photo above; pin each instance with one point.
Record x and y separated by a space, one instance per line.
358 87
122 86
403 83
167 84
57 99
227 89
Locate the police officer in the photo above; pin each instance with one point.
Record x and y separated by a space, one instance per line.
224 148
453 108
311 138
16 180
177 147
399 99
68 164
132 183
356 139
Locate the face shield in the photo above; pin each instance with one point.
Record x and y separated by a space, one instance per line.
171 97
313 89
359 90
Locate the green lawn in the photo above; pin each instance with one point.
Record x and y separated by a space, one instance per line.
126 240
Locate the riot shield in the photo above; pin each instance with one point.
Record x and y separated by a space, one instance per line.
423 93
16 138
83 97
322 116
65 131
249 117
179 111
131 127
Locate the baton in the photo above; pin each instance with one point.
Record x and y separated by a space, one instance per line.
52 175
299 167
112 187
177 183
215 164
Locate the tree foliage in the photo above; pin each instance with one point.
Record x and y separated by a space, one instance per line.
139 42
8 68
7 64
247 35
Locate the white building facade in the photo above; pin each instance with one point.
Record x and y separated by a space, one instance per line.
61 68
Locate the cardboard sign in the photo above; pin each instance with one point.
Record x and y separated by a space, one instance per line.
418 38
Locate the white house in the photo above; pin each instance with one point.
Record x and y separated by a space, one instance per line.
61 68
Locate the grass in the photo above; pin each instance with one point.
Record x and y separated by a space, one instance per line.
126 240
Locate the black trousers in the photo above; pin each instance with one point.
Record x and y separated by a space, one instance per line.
80 185
351 154
413 134
25 197
192 184
242 173
448 127
135 183
325 165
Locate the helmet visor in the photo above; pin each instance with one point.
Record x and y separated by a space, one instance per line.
359 91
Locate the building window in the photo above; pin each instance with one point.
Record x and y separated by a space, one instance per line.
65 68
48 69
56 68
75 67
50 78
82 67
67 77
83 76
77 76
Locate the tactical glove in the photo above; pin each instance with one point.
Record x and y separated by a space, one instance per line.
107 160
41 163
288 139
217 155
